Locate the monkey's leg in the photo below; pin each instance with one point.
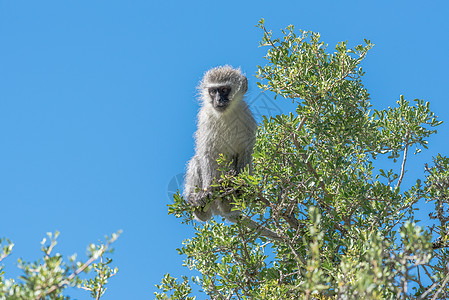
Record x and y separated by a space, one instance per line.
201 214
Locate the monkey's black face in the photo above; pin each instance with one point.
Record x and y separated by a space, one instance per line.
220 97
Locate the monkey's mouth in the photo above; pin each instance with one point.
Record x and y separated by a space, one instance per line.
221 106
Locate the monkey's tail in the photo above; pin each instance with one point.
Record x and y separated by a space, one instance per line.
263 231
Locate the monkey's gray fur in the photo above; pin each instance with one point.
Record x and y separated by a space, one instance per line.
225 126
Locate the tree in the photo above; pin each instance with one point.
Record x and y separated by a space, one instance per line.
346 229
48 277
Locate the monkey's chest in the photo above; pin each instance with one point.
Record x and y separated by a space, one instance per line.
232 139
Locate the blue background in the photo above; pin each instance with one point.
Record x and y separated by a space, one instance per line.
98 107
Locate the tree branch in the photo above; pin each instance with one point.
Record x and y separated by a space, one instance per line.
100 252
293 222
404 159
441 287
438 244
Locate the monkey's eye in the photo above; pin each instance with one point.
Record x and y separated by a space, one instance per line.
224 90
212 91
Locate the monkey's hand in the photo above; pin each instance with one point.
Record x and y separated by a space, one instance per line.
201 203
201 198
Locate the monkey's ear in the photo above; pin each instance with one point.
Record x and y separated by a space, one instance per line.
245 85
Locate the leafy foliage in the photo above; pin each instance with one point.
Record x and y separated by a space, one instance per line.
346 228
48 277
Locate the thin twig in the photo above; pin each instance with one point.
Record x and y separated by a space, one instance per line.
80 269
293 222
4 255
441 287
269 37
404 159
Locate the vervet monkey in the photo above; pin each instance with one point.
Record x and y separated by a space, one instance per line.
225 126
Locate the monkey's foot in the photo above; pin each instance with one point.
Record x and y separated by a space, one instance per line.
202 213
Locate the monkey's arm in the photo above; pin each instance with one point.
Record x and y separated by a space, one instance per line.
194 181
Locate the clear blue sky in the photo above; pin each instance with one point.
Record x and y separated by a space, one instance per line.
97 108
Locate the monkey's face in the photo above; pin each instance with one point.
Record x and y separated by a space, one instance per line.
220 97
